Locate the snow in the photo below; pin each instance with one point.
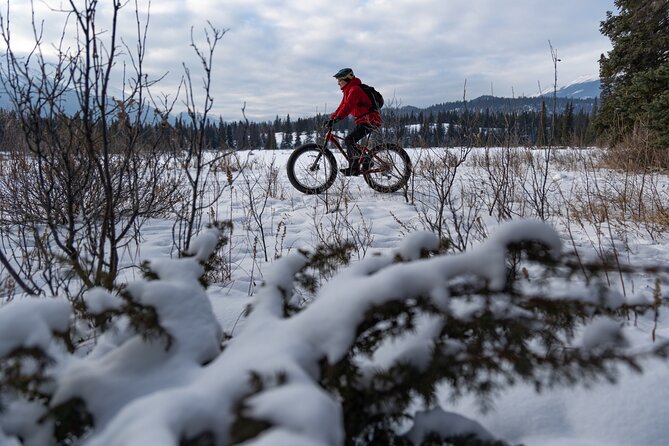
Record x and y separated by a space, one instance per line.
100 300
204 244
631 412
414 348
445 423
31 322
306 417
276 437
602 333
413 245
109 381
180 383
582 79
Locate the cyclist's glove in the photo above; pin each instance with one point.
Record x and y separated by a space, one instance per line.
329 123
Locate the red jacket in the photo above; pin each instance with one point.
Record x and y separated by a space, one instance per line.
355 102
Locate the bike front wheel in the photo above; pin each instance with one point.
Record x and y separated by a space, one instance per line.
390 169
311 169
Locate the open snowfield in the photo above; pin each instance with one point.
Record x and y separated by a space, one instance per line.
632 412
272 220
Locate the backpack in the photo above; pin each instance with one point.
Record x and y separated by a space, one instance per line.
374 96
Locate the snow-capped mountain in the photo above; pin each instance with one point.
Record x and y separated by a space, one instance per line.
580 88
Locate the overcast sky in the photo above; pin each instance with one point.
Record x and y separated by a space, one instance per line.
279 56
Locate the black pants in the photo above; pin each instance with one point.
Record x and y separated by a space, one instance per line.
359 132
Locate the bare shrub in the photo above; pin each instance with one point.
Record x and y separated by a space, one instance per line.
338 221
573 159
88 180
625 199
259 183
537 186
446 202
200 165
637 152
503 167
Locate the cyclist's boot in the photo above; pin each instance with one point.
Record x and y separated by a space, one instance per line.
352 170
366 164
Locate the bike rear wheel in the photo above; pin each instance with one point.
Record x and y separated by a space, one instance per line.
311 169
390 170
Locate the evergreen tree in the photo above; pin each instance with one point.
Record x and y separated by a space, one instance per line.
287 140
241 136
635 73
229 138
270 141
567 124
254 136
590 129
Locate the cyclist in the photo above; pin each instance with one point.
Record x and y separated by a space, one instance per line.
355 102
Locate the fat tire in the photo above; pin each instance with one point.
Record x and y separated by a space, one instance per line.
396 168
298 169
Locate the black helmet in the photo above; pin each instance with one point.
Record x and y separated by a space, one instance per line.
344 73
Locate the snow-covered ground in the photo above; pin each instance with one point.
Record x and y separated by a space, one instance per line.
631 412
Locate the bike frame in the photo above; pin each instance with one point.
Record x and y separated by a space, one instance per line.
335 140
386 167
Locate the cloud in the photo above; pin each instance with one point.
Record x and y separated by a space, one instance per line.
278 56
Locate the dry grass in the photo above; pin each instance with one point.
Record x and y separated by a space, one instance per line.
637 152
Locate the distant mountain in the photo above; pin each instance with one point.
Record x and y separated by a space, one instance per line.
581 93
493 104
581 88
5 103
68 101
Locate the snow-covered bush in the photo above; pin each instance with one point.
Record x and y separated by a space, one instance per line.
360 364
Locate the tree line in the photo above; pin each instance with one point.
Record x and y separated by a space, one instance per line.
634 101
634 106
483 126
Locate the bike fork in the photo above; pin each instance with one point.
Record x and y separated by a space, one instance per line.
314 166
